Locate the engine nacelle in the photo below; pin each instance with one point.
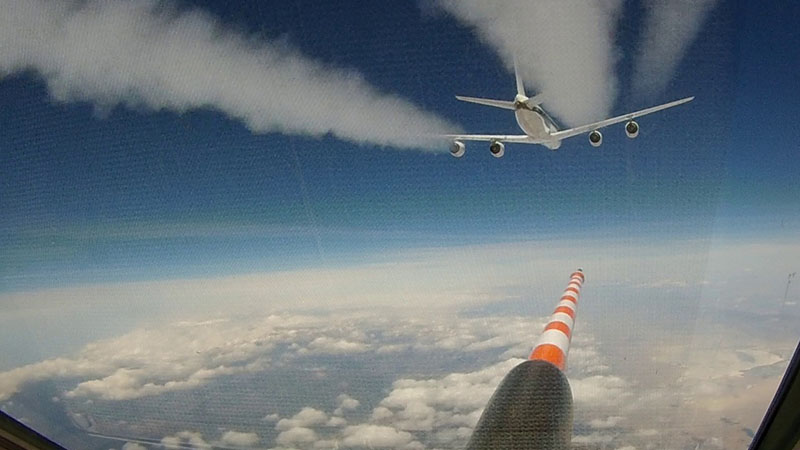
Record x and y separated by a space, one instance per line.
595 138
457 149
632 129
497 149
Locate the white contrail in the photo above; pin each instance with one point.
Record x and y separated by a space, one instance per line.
146 53
565 48
669 28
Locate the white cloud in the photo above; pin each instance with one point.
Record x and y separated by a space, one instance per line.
600 390
133 446
345 403
332 346
608 422
297 435
326 444
239 439
125 384
592 438
395 348
453 401
647 432
669 29
152 54
138 363
381 413
375 436
565 48
307 417
336 422
183 439
664 284
407 281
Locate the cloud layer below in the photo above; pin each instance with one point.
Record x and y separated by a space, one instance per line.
654 371
416 411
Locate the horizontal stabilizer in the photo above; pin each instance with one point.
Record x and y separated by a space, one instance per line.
488 102
535 100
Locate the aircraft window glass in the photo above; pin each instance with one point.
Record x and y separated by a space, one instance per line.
192 257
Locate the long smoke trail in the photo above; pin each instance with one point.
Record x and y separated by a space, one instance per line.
565 48
670 26
149 54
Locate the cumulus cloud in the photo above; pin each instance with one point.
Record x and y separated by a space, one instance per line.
133 446
152 54
239 439
565 48
375 436
295 436
600 390
608 422
449 406
336 422
670 27
184 439
332 346
592 438
126 384
441 412
346 403
138 364
307 417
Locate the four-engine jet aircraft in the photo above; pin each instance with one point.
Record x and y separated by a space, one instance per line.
539 127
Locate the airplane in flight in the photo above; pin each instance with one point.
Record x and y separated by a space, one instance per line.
539 127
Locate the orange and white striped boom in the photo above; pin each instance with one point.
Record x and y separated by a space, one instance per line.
553 345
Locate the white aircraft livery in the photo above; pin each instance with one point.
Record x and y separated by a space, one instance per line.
540 128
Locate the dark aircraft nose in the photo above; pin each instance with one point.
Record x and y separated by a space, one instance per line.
531 409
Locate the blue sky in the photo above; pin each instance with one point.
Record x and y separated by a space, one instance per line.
133 193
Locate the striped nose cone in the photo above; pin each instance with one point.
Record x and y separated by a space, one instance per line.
553 345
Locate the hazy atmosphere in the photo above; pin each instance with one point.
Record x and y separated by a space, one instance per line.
236 225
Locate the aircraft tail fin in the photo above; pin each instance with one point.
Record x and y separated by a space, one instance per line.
535 100
520 85
532 101
488 102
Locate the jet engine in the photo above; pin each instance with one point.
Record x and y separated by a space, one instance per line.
497 149
632 129
595 138
457 149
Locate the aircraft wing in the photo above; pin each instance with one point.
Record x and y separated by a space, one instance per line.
523 138
563 134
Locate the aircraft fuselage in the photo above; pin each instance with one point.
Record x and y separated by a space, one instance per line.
536 123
